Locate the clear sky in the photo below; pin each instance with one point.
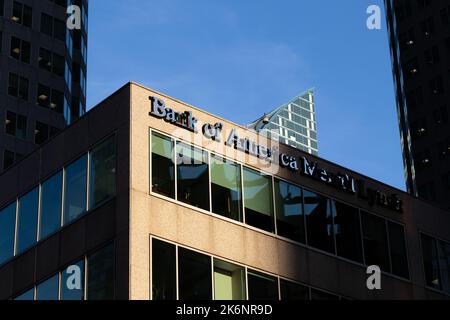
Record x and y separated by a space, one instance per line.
241 58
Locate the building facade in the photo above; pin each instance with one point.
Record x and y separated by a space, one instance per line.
147 197
43 73
419 34
294 123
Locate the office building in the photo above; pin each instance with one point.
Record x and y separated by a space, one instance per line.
294 123
147 197
43 73
419 34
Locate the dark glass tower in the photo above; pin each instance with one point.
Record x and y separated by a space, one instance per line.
419 34
42 73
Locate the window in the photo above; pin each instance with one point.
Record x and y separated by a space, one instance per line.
2 8
51 205
163 271
322 295
229 281
432 55
50 98
293 291
375 241
22 14
53 27
41 133
289 211
27 221
398 250
48 290
431 262
20 50
194 275
43 96
27 296
101 274
319 212
261 286
347 228
72 282
75 190
59 64
437 85
18 86
163 168
192 176
226 188
427 27
16 125
7 227
258 200
102 172
8 159
45 59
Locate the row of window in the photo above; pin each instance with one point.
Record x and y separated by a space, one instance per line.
436 260
212 183
90 278
427 25
16 125
59 200
415 96
179 273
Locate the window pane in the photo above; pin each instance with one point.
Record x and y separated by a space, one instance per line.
103 172
262 287
27 221
48 290
45 59
100 285
51 194
226 188
7 227
46 24
444 264
194 274
15 48
321 295
375 241
163 271
431 262
398 250
72 282
163 168
258 200
229 281
75 190
319 212
348 232
27 296
288 201
192 176
293 291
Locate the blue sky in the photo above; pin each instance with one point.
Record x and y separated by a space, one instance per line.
241 58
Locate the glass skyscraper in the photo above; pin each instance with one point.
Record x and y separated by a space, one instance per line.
294 123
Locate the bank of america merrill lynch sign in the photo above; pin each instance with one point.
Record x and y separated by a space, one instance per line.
341 181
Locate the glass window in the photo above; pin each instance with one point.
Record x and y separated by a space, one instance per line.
322 295
258 200
431 262
27 221
226 188
262 287
7 230
72 282
48 290
398 250
290 219
75 190
444 264
319 212
347 228
46 24
51 196
26 296
194 275
45 59
43 95
101 274
293 291
102 176
229 281
163 271
163 168
192 176
375 241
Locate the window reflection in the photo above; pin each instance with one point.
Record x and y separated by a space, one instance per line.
226 188
375 241
51 194
348 232
194 274
398 250
48 290
261 286
163 168
100 280
293 291
163 271
27 221
431 262
75 190
7 227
